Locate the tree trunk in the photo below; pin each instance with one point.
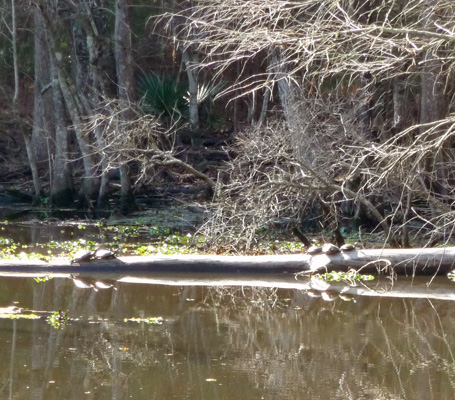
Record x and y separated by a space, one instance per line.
19 126
43 117
33 166
125 83
296 116
49 116
62 189
433 106
286 92
123 52
400 118
73 103
90 183
127 200
264 107
190 59
88 53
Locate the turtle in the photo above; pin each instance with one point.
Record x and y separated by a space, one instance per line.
347 247
312 250
82 255
103 254
330 249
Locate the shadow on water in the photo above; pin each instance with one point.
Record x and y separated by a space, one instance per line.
221 343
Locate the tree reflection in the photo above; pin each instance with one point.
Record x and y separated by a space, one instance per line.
217 342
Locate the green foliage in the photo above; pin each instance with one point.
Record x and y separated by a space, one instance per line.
216 120
167 98
43 279
10 247
6 241
129 231
159 231
163 96
207 91
451 276
179 240
349 277
58 319
166 249
205 97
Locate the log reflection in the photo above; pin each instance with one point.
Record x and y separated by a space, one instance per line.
216 342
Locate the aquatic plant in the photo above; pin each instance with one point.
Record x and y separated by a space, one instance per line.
43 279
340 276
58 319
5 241
150 320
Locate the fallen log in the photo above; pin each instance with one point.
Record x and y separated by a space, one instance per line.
400 261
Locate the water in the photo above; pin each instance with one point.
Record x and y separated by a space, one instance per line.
222 343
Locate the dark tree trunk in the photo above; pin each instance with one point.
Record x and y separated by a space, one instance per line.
55 29
433 107
18 124
125 82
62 189
43 117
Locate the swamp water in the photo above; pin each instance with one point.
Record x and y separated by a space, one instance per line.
219 337
156 341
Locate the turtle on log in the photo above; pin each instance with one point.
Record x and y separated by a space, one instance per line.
82 255
312 250
347 247
330 249
103 254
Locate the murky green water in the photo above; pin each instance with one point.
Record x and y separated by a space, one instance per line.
222 343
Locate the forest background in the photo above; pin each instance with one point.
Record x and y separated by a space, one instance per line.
321 115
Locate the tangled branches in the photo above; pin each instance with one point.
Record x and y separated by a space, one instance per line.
139 138
366 95
319 38
271 182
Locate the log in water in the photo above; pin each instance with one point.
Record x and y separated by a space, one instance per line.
419 261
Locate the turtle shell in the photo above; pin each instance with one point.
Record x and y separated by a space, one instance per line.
347 247
82 255
103 254
314 250
330 248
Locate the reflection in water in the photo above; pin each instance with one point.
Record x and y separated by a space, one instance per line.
222 343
